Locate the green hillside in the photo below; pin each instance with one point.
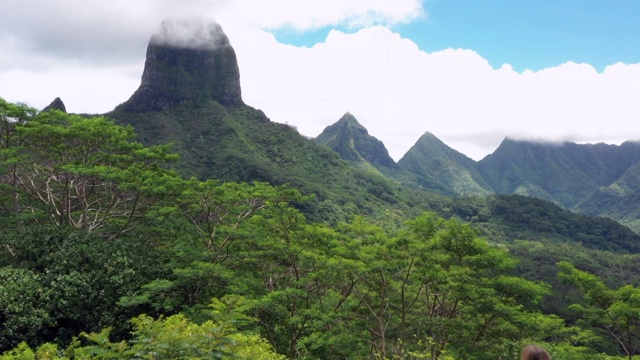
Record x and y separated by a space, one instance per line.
592 179
354 144
196 105
595 180
241 144
434 166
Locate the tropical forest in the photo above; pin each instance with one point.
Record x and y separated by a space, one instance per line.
185 224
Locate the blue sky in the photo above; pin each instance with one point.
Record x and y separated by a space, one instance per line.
528 34
401 67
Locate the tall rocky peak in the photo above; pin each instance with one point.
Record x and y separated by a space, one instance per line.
352 141
56 104
187 61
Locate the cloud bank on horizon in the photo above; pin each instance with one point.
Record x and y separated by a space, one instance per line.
91 54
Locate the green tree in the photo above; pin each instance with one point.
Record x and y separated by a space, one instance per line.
174 337
177 337
74 282
215 247
12 116
25 309
470 301
378 274
218 211
437 288
86 173
290 262
617 312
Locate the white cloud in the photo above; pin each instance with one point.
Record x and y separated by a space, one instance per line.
305 15
193 33
82 89
399 92
91 54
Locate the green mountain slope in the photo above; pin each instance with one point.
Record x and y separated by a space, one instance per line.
220 137
523 217
620 200
564 173
241 144
433 165
352 141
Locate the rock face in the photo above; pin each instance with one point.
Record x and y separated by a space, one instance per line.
56 104
353 142
187 61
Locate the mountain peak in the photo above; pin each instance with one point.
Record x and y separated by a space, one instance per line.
429 136
437 167
349 120
187 61
352 141
56 104
348 117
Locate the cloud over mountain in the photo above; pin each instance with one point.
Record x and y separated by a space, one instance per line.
190 34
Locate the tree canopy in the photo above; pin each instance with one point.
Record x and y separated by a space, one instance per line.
107 252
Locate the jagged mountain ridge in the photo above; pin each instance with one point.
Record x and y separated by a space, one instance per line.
594 179
190 96
429 164
564 173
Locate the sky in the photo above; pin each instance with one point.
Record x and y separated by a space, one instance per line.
470 72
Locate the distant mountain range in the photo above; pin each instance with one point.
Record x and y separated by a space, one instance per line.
598 180
190 96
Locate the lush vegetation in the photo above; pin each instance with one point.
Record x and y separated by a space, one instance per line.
432 165
106 252
353 143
